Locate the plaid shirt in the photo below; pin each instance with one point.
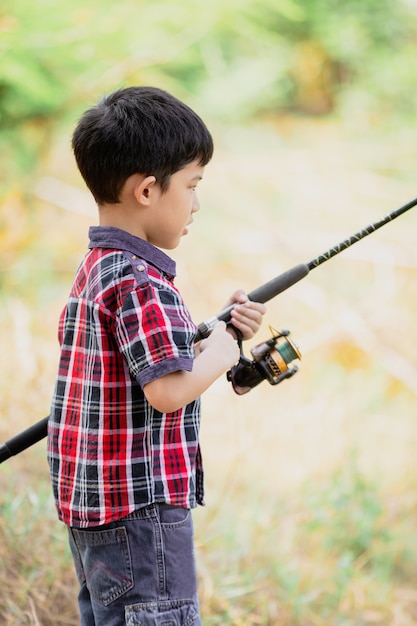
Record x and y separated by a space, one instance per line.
124 325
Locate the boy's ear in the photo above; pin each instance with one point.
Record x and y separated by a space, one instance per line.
143 190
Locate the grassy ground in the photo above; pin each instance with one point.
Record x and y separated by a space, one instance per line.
311 486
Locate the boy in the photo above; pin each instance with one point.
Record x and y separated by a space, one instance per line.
123 431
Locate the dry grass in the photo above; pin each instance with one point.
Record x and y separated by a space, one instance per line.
311 486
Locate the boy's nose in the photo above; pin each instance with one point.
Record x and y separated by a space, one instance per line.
196 204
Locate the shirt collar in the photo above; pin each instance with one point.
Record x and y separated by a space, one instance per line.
111 237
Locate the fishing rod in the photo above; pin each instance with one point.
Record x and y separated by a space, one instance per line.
271 359
280 283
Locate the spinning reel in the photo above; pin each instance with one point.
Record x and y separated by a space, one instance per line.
271 361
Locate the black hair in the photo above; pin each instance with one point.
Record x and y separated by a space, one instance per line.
137 130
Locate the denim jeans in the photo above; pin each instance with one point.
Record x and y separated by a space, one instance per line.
138 571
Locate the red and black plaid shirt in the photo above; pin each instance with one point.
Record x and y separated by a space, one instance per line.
125 324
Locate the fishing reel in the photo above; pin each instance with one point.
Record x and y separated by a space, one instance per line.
271 361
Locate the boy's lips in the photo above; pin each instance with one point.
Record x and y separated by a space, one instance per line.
186 227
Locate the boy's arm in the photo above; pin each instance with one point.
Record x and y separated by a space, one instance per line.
214 356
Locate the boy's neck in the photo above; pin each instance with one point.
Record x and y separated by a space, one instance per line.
118 218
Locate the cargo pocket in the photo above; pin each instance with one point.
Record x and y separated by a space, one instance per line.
106 562
163 613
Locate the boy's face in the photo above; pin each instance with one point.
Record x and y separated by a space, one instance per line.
173 210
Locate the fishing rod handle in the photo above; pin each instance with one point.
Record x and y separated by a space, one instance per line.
265 292
24 440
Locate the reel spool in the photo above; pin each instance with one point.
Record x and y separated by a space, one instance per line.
271 361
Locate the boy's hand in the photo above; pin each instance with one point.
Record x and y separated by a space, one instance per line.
246 315
223 344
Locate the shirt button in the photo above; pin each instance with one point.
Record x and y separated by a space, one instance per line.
133 256
140 268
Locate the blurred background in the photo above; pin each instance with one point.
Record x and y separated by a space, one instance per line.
311 485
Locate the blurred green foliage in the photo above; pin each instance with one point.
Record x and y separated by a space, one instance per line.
234 60
332 559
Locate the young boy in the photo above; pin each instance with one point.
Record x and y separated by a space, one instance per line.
123 431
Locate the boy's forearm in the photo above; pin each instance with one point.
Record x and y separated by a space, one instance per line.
177 389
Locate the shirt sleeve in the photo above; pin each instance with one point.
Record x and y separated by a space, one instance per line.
155 332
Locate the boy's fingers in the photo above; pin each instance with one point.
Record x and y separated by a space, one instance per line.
247 324
249 310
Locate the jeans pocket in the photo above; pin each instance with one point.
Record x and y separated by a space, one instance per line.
173 516
163 613
106 562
